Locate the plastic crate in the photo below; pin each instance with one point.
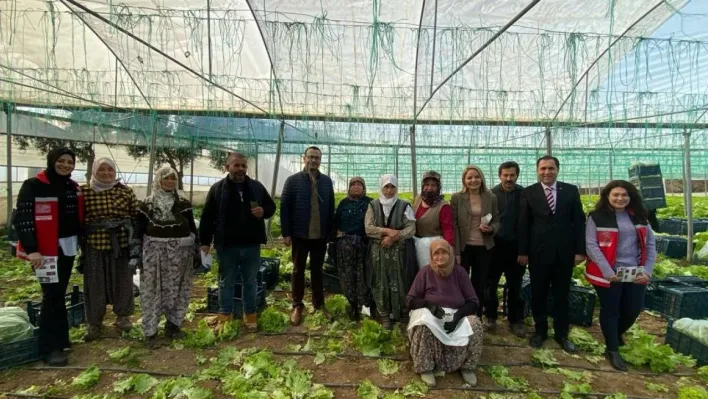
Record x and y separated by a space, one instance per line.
20 352
699 225
581 303
645 170
272 275
654 297
647 181
672 246
655 203
650 193
688 280
331 283
687 345
671 226
213 301
75 309
684 301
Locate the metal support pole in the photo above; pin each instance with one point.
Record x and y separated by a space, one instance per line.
209 36
278 150
414 169
688 192
395 161
329 160
8 113
611 160
191 174
549 143
151 163
256 158
274 183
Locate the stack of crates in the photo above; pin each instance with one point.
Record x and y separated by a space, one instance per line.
647 178
678 296
581 302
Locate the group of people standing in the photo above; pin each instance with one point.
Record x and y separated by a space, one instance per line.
431 265
113 234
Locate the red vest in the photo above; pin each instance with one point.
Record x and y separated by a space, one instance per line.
607 239
46 221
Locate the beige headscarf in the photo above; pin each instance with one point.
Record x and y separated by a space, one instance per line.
96 184
443 270
162 201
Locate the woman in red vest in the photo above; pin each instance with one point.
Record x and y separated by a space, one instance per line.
48 222
621 254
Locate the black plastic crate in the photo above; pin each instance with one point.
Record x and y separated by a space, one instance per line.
581 303
684 301
699 226
672 246
75 308
655 203
272 275
331 283
20 352
687 345
654 297
647 181
645 170
673 226
688 280
213 301
649 193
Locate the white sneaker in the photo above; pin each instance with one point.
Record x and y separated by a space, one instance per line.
428 379
470 377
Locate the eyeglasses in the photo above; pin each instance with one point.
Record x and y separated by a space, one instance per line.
313 157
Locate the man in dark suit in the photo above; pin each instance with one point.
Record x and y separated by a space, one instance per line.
551 242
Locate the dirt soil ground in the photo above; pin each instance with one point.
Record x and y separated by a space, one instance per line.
348 370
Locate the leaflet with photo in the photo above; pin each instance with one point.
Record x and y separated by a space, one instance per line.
627 274
48 273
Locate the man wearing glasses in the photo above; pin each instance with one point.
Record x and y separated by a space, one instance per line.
307 222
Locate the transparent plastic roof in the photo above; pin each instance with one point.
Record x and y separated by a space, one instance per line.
354 60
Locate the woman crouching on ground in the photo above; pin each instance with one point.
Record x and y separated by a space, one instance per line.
444 330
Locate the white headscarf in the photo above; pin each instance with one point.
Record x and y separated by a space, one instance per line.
388 203
162 201
96 184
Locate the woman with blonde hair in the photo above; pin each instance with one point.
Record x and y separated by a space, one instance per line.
475 220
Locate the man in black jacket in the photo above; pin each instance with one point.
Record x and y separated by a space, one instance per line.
505 252
233 217
307 222
551 242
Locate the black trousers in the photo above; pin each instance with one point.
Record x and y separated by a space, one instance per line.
620 305
504 262
53 322
301 249
554 277
476 260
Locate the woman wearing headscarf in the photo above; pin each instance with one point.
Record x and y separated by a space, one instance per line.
48 221
108 278
389 224
476 220
164 244
445 332
622 251
433 216
352 246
